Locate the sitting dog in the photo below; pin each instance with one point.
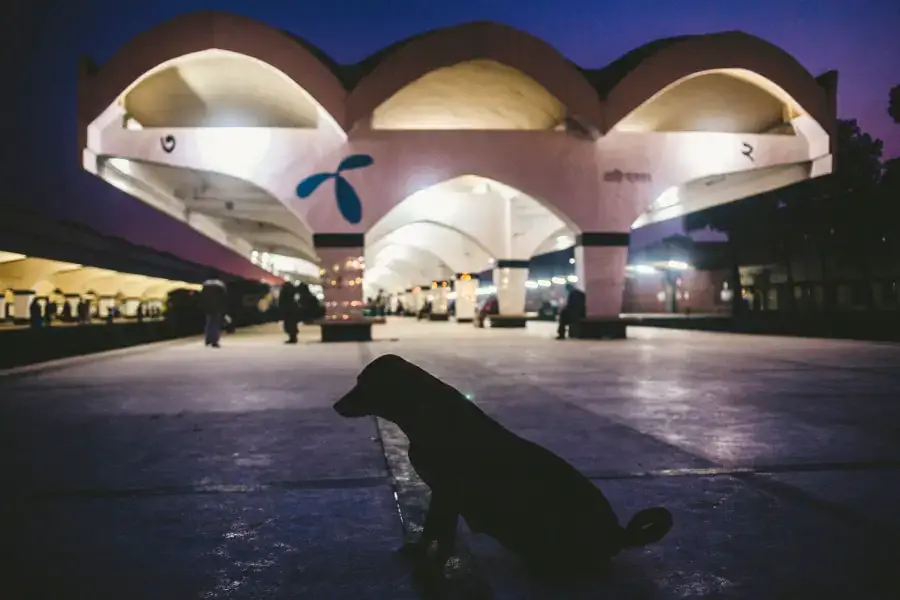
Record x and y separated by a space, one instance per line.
533 502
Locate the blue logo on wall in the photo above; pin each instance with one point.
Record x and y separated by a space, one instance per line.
347 200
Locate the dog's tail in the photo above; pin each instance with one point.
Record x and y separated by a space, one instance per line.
647 526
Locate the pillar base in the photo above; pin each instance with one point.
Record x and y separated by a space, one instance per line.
508 321
438 317
356 331
464 319
599 329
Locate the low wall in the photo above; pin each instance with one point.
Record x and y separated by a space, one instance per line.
868 326
20 347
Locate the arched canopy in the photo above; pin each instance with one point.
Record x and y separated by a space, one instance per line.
477 94
735 54
457 250
730 101
476 208
415 58
198 32
218 88
411 262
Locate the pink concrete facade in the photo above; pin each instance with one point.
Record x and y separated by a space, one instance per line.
569 175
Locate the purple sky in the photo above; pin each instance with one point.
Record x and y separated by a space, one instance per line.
860 39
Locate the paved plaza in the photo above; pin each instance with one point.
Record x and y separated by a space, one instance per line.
175 471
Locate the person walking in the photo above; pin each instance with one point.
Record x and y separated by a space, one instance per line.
212 301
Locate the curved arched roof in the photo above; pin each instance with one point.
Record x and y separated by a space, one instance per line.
349 92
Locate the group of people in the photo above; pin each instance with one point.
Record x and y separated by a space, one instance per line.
43 314
297 305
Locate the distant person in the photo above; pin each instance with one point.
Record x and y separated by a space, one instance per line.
212 301
290 311
49 312
66 314
399 310
491 306
574 310
309 306
35 314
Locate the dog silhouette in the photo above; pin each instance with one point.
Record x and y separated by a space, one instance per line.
534 503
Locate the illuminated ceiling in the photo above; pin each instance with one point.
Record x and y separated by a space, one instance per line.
239 207
478 94
215 88
725 102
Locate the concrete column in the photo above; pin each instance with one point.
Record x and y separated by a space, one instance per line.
440 303
509 279
2 308
419 295
466 288
21 303
104 304
600 260
130 308
343 265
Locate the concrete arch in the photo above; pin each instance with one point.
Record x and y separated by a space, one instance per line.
414 262
458 249
550 243
220 88
44 287
388 280
408 61
195 32
420 162
729 51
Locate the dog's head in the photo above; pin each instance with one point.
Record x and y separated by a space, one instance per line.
383 388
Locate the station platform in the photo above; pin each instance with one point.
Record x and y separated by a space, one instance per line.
179 471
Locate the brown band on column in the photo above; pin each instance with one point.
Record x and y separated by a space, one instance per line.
602 239
338 240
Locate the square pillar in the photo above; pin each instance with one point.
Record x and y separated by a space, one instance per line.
129 310
22 300
600 261
510 276
342 267
466 287
440 309
2 307
104 305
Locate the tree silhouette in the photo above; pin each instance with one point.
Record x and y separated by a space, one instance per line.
894 103
837 214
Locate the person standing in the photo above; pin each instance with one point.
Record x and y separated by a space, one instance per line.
287 304
212 301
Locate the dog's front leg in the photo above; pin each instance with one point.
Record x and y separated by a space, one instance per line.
440 525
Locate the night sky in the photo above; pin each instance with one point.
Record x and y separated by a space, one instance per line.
41 44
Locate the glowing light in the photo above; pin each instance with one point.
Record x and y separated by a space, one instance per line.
544 282
645 269
572 278
571 261
122 165
132 124
558 280
238 151
667 199
678 265
531 284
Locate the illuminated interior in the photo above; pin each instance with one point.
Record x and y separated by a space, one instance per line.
217 88
478 94
726 101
